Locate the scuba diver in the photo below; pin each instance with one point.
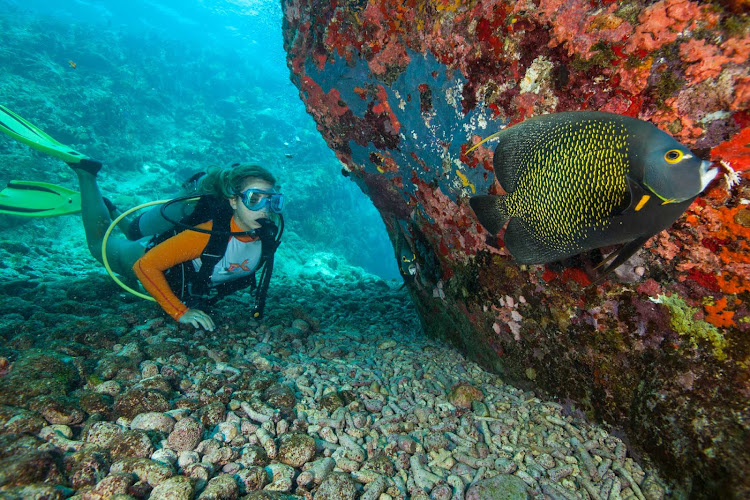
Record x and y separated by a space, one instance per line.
188 253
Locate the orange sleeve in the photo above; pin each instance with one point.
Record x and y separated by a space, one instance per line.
149 269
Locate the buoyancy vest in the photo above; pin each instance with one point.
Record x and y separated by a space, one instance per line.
193 284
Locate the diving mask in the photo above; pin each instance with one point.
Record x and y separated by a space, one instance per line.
258 199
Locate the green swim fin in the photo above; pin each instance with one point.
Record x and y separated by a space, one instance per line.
38 199
23 131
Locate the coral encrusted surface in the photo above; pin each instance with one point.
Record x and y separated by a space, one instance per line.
660 349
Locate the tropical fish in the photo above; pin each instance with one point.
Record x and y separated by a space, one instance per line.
407 259
72 64
581 180
407 263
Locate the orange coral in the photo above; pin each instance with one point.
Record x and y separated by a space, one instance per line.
736 49
735 151
721 248
635 80
717 313
574 25
662 22
705 60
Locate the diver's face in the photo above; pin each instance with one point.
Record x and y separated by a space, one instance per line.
248 219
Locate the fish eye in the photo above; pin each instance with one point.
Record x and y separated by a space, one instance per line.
673 156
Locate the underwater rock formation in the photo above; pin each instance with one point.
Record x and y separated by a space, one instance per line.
400 90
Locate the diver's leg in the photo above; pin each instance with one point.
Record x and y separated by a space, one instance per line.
121 254
115 212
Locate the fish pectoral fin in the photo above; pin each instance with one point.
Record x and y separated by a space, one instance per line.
490 211
637 198
620 256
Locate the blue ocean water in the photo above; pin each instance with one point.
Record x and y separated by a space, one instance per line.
160 89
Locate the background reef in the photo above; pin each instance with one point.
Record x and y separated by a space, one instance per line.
400 90
158 106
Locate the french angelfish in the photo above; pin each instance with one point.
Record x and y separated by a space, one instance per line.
407 260
581 180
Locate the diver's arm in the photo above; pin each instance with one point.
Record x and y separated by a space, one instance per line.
150 268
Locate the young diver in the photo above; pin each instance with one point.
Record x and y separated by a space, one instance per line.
250 193
187 254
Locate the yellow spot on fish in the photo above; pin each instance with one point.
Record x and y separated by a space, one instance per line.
643 201
465 181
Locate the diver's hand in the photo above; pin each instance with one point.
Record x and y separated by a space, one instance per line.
198 319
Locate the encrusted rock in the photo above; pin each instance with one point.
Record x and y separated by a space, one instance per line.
174 488
331 401
86 467
102 434
252 479
109 387
187 457
435 441
212 414
36 491
144 469
279 396
463 394
153 421
15 420
165 455
500 487
28 466
281 477
149 369
296 449
116 483
57 410
301 325
38 373
222 487
138 400
254 455
337 486
380 464
95 403
200 473
186 435
131 444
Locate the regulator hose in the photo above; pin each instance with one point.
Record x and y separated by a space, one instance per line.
105 261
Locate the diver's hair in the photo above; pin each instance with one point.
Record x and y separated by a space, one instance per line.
226 182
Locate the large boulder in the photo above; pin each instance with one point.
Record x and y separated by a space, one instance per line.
400 90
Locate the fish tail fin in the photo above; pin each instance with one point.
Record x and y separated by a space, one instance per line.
491 211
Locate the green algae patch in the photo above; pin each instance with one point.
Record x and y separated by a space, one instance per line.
683 322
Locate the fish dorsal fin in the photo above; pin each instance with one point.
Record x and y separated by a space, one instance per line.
519 148
508 156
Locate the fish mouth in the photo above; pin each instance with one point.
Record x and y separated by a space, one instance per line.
707 173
